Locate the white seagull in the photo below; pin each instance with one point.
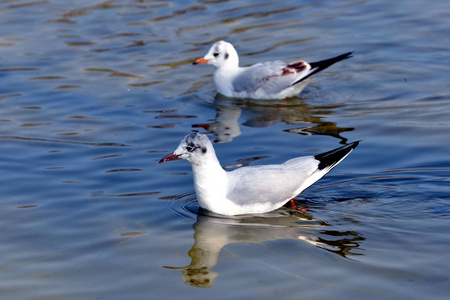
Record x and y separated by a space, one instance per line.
254 189
267 80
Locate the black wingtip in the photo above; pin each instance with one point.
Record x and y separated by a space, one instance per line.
318 66
331 158
323 64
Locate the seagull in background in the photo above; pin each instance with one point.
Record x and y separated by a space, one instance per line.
266 80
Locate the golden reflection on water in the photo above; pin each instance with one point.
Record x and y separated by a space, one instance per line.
212 233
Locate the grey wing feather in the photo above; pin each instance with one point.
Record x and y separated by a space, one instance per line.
267 76
271 183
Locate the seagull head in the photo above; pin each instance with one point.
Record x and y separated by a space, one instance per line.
221 54
194 147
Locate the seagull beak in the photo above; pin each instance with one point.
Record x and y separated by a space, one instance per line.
168 157
201 60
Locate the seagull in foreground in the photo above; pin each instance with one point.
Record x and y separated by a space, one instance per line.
254 189
267 80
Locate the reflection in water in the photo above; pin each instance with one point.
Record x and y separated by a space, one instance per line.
212 232
225 126
291 111
323 128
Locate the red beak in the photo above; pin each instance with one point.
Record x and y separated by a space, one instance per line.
168 157
201 60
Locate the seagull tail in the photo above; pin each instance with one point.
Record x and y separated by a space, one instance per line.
328 160
323 64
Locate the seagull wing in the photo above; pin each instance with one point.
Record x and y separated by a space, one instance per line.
270 183
271 77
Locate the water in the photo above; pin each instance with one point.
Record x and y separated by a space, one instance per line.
93 94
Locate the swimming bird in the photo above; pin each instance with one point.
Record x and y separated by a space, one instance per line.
267 80
251 189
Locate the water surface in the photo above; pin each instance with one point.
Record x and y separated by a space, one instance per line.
94 93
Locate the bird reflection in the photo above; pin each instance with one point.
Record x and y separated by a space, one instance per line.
212 232
225 126
267 113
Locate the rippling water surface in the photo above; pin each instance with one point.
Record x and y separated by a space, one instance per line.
94 93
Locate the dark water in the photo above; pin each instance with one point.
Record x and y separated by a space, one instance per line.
93 94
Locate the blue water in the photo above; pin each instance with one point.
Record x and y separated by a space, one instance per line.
93 94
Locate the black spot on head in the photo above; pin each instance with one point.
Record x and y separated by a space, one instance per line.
190 142
196 141
190 148
191 139
226 55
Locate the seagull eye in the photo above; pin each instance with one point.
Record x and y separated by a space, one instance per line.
216 54
189 148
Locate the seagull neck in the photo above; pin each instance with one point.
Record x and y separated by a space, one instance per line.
231 64
210 182
223 78
208 168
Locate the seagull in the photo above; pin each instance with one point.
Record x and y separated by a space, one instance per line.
262 81
251 189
